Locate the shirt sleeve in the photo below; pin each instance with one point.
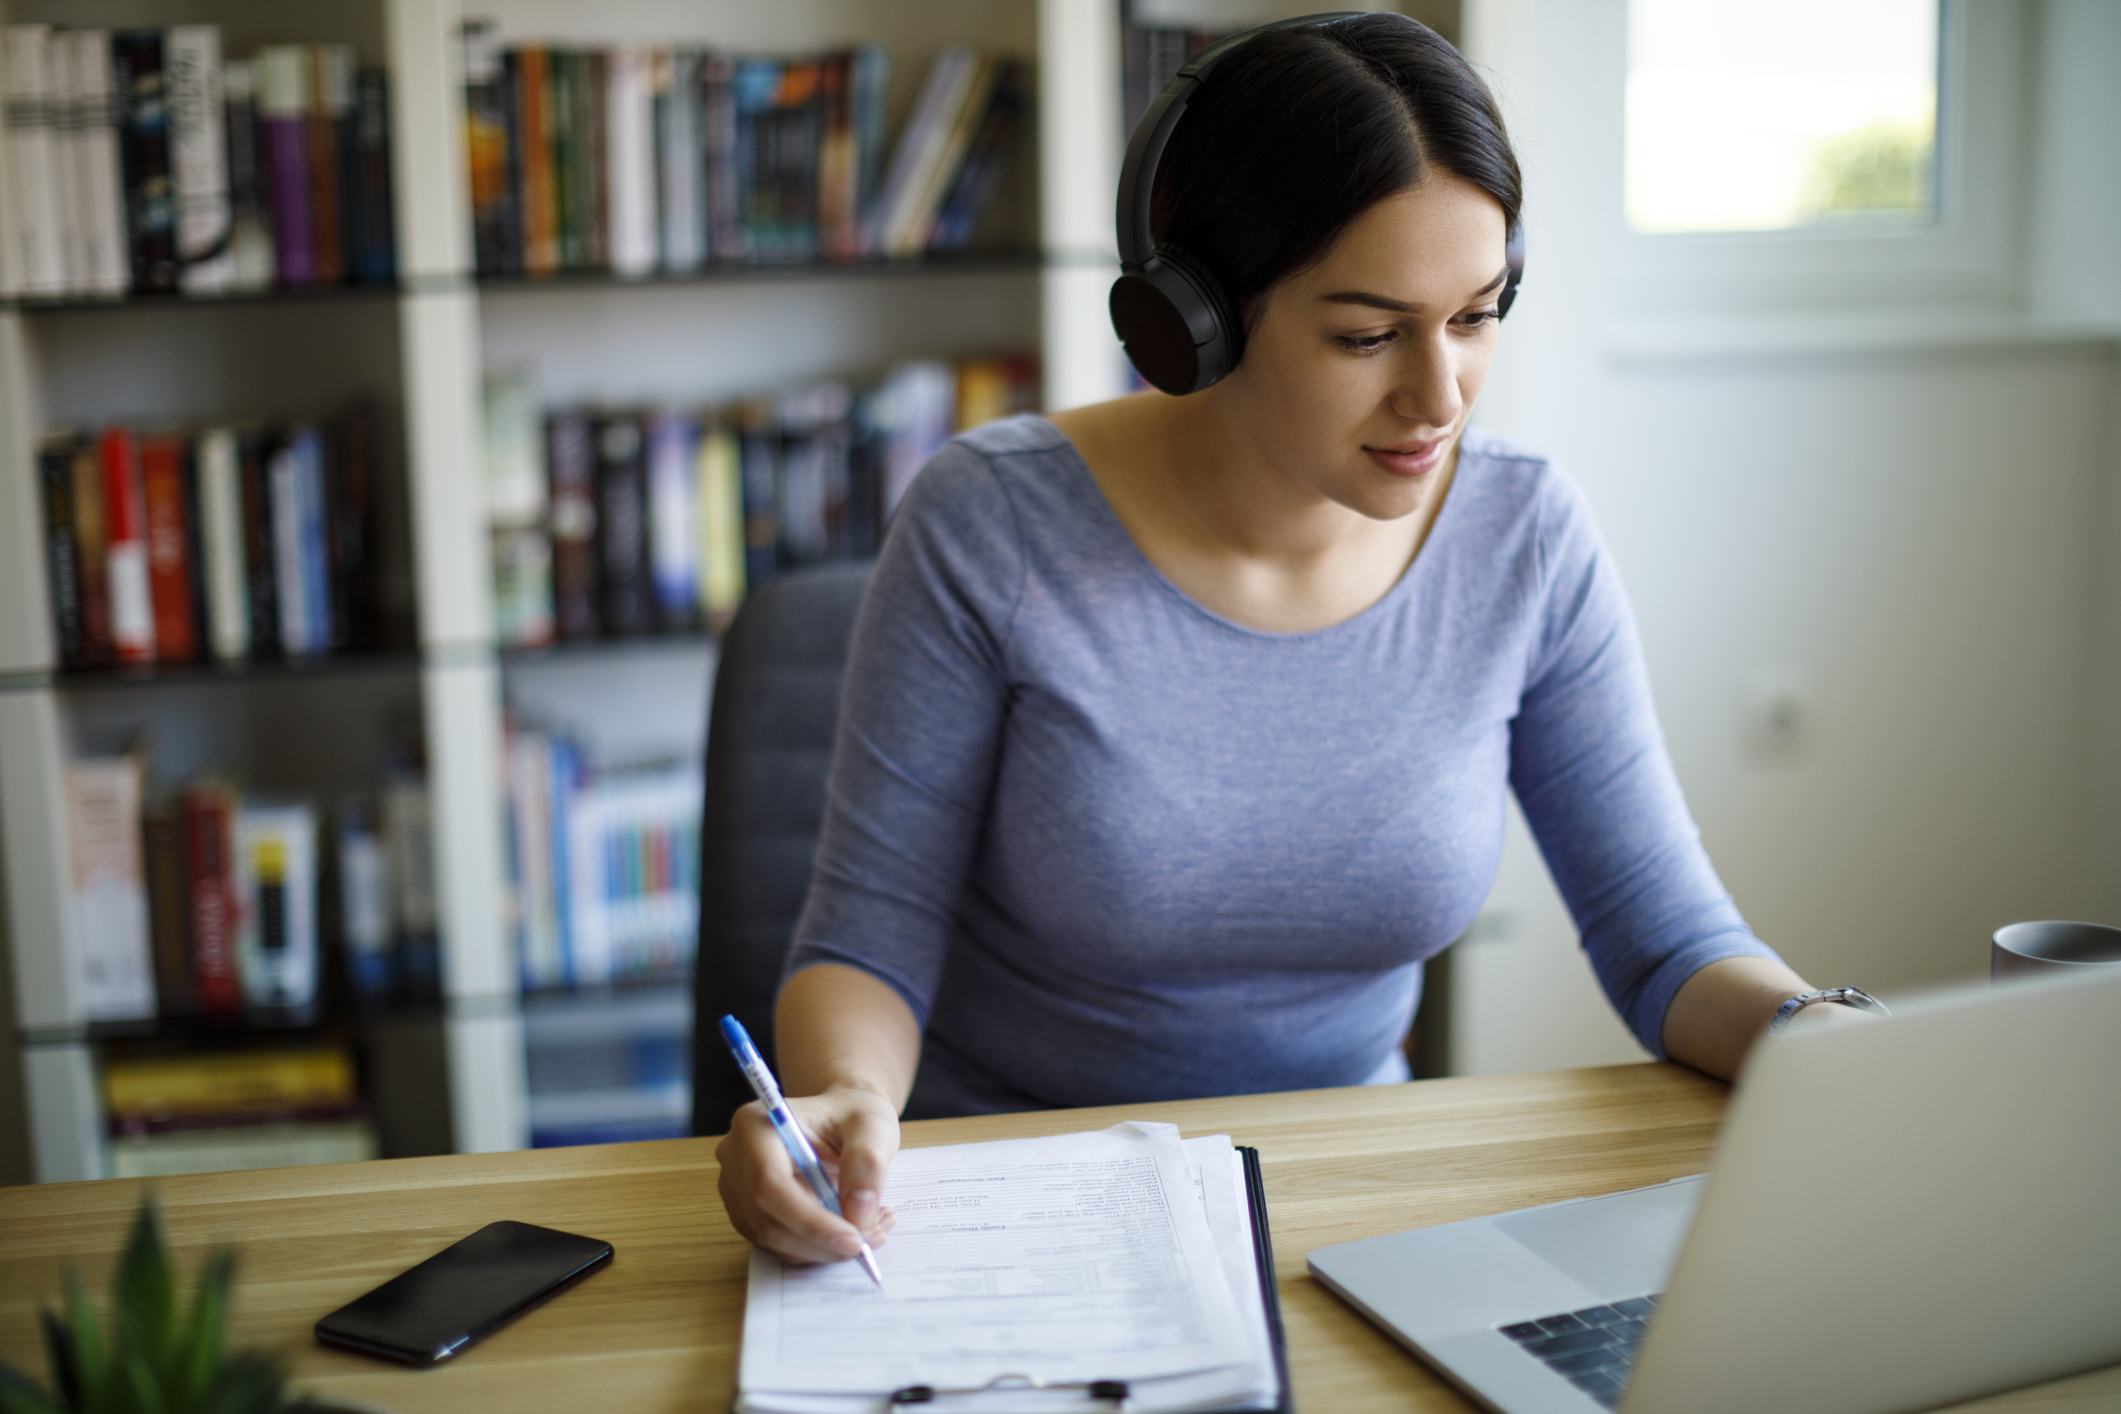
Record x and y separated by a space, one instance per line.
921 718
1589 766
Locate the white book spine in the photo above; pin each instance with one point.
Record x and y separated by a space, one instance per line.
40 261
530 785
673 485
921 148
276 874
681 157
98 180
113 965
65 125
629 127
198 156
221 534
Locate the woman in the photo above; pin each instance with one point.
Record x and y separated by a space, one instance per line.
1177 729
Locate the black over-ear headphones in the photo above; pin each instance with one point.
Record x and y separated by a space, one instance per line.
1180 328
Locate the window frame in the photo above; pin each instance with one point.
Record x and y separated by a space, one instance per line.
1968 257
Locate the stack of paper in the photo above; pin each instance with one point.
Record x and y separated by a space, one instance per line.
1125 1255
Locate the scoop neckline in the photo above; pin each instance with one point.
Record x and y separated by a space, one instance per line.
1382 603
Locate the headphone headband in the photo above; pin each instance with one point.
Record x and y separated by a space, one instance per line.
1137 175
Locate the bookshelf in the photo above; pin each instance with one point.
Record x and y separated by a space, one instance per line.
457 1072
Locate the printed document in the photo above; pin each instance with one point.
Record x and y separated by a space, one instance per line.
1120 1255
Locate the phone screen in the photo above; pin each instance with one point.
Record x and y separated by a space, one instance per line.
464 1292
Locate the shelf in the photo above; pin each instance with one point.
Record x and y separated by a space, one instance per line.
330 665
258 1024
582 649
179 299
734 272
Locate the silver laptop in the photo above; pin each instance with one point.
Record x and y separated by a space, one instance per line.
1899 1215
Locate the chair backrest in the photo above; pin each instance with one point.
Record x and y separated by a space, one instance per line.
769 747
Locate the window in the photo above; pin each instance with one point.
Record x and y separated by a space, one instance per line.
1742 117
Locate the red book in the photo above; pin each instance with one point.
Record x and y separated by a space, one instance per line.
168 551
210 875
132 613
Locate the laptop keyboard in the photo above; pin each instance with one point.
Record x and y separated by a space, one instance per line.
1592 1349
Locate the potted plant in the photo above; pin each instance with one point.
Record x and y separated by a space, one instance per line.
152 1353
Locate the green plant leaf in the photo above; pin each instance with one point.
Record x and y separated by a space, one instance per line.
91 1362
251 1382
143 1297
139 1388
19 1396
59 1356
204 1328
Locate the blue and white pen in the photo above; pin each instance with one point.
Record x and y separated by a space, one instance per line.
768 1090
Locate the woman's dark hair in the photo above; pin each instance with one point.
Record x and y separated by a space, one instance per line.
1300 131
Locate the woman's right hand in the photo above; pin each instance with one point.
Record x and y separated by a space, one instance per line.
856 1134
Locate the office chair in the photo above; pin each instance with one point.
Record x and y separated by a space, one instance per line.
769 746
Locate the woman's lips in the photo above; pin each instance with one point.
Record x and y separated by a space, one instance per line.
1413 459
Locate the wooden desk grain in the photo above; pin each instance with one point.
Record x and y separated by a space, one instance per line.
658 1331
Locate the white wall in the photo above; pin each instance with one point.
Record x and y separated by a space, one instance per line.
1912 537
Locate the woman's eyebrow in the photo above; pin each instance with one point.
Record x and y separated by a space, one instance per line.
1364 297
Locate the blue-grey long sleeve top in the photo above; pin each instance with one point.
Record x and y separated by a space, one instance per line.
1110 846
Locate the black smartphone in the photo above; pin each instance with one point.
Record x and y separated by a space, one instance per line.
463 1293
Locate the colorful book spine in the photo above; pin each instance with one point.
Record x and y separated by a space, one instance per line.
55 476
986 162
92 555
214 896
283 106
718 144
198 158
169 544
537 138
276 871
721 507
595 148
256 452
759 450
219 474
325 128
132 614
903 212
408 836
113 967
486 126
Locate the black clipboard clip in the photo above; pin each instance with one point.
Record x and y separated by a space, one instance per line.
1112 1392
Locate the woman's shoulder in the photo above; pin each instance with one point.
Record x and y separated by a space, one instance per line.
1519 485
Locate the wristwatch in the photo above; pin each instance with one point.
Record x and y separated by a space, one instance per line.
1847 996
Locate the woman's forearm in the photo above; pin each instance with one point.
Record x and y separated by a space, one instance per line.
1724 1008
838 1027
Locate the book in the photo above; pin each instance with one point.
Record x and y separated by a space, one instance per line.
256 451
169 934
630 158
36 232
904 210
986 162
223 1148
570 462
213 896
170 537
595 149
517 503
365 923
92 555
250 238
681 151
673 478
220 491
564 79
301 550
276 877
224 1084
718 149
64 201
283 81
1055 1227
351 516
536 139
918 230
632 885
132 618
55 477
776 106
721 534
541 959
98 184
408 845
372 233
625 587
139 86
759 474
198 158
496 248
326 129
112 964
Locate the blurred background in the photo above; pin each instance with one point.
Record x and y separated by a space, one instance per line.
398 397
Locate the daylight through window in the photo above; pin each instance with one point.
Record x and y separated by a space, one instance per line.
1751 117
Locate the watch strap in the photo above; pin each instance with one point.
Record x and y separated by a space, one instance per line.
1847 996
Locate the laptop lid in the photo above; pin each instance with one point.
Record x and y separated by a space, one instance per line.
1906 1213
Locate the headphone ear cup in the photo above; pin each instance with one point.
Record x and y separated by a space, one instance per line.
1181 331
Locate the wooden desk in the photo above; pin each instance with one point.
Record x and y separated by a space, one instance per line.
658 1331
